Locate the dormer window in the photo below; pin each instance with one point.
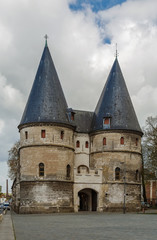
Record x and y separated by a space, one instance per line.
106 122
72 116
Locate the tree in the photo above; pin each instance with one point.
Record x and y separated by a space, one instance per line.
13 160
149 147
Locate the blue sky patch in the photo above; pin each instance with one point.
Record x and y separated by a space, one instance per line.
96 5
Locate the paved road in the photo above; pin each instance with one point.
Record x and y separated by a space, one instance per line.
85 226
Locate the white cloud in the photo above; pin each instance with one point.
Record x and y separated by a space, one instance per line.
1 126
10 98
82 59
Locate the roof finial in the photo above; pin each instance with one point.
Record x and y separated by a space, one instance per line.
46 37
116 55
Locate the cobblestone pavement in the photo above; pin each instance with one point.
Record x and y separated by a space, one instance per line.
85 226
6 228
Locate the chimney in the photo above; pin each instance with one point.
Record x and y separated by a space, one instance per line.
6 188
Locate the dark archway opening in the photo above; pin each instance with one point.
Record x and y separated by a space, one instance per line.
87 200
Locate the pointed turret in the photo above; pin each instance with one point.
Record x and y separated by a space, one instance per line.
46 102
114 109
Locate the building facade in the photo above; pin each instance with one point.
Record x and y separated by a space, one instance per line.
151 192
73 160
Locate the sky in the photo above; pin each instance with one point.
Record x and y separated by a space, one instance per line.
82 41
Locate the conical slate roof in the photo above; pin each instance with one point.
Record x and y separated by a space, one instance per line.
46 102
116 104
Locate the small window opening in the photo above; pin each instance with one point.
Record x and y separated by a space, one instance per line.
41 169
72 116
117 173
68 171
137 175
43 133
26 135
62 135
78 144
104 141
86 144
122 141
136 141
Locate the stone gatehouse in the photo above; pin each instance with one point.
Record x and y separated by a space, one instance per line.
73 160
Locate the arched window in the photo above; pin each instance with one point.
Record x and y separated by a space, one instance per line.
78 144
83 169
117 173
137 175
104 141
41 169
68 171
122 141
136 141
86 144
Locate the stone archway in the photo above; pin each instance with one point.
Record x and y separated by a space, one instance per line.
87 200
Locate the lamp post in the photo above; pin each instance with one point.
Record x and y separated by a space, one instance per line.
124 181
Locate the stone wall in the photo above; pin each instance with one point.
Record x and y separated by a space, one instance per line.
126 157
46 197
82 152
52 191
55 153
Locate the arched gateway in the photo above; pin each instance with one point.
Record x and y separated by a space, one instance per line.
87 200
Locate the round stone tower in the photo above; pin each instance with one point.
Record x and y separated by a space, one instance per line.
116 145
46 145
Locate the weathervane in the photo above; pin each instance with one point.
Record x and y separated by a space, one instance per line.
46 37
117 53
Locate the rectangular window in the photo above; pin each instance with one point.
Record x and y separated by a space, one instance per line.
104 141
122 141
72 116
26 135
62 135
43 133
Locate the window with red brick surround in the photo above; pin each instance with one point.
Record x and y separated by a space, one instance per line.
122 141
43 133
104 141
106 121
